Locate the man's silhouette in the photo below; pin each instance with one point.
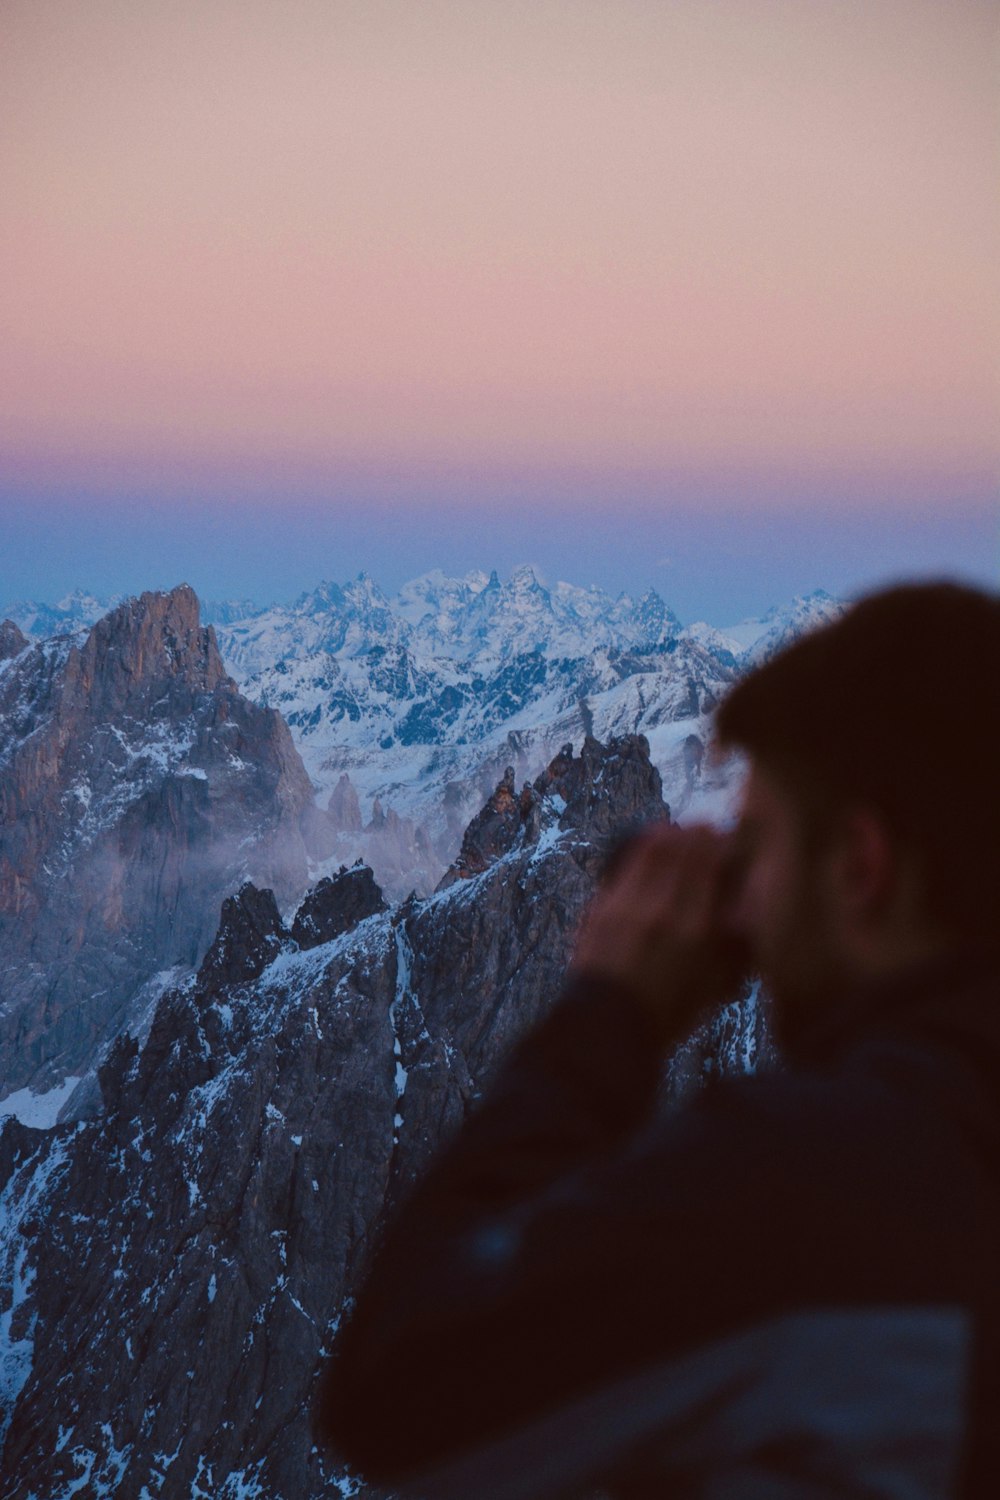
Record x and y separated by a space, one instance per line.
791 1287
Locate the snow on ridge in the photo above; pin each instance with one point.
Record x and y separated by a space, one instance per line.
476 673
435 600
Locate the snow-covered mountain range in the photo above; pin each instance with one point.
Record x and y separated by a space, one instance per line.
407 710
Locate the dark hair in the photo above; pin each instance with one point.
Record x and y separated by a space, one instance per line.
896 706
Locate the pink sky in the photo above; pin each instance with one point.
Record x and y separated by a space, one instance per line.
737 249
753 234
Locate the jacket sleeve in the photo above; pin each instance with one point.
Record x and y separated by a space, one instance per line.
519 1271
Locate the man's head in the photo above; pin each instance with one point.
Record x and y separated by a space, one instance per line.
872 811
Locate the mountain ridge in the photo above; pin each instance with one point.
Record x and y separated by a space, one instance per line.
174 1271
421 700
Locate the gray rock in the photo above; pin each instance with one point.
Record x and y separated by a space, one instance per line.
250 935
12 642
335 905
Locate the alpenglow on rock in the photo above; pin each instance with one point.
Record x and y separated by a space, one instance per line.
138 788
175 1271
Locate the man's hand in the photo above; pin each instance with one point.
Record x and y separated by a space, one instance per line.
658 927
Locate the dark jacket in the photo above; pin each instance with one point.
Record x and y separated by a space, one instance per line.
790 1288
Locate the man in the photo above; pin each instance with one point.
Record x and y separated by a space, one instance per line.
792 1287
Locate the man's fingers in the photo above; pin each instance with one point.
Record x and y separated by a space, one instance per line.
672 872
698 880
654 925
666 889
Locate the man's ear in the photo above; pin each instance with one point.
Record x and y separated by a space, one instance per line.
866 865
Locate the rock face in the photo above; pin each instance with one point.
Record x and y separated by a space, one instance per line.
250 935
343 808
137 788
175 1270
12 642
567 795
335 905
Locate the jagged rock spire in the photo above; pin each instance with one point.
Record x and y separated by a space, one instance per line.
12 640
250 935
602 792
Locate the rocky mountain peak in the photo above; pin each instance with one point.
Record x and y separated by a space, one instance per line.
352 618
336 904
601 794
250 935
658 621
145 641
493 831
606 790
325 595
12 640
343 807
524 580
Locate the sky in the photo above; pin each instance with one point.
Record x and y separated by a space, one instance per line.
699 294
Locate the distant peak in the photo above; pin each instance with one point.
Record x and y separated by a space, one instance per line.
819 596
525 579
12 640
324 596
78 599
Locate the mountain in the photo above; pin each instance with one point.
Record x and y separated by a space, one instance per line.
421 701
138 787
406 710
173 1273
76 611
225 611
753 640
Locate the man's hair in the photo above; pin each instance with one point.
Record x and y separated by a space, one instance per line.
896 707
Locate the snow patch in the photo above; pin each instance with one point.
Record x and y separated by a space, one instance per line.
403 961
24 1191
39 1110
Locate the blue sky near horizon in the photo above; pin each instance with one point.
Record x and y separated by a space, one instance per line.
718 565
